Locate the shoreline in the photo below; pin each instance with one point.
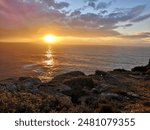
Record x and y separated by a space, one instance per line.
113 91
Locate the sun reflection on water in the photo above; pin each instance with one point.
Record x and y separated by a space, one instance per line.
49 61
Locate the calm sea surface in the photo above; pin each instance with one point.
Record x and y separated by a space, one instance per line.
45 61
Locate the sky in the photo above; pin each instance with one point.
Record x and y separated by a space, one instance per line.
123 22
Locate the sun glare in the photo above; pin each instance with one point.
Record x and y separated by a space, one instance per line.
49 39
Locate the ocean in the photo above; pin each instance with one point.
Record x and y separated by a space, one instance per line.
46 61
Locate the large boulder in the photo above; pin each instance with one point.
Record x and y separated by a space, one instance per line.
67 76
8 85
21 83
108 78
110 96
83 82
28 83
53 88
79 86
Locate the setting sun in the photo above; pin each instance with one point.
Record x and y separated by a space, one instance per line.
49 38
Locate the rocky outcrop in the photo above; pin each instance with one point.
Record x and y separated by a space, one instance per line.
115 91
19 84
79 87
142 69
66 76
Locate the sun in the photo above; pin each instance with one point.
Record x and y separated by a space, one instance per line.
49 38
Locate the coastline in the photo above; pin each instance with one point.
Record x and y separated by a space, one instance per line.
114 91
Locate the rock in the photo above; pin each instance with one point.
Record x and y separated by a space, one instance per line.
148 63
108 78
67 76
82 82
62 88
79 87
95 91
139 69
101 73
142 69
88 100
21 83
28 83
111 96
32 81
82 99
120 70
45 88
8 85
132 95
53 87
148 72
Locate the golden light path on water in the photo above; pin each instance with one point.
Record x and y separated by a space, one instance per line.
49 61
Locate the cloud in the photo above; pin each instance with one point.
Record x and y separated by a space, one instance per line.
104 12
103 5
127 14
110 20
96 5
138 9
55 5
141 18
92 4
86 1
142 35
128 25
76 13
22 13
